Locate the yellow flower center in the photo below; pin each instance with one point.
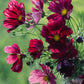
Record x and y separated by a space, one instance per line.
18 56
39 50
46 78
64 12
20 17
56 37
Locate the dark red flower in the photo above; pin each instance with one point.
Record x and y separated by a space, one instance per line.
66 67
15 15
56 32
15 57
67 52
62 7
35 48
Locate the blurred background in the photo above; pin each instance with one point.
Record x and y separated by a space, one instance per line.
6 75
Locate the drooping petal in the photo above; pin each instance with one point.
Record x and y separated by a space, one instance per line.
11 58
14 49
17 66
36 16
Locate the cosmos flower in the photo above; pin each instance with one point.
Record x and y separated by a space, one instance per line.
15 15
56 32
67 52
66 67
37 76
62 7
14 58
35 48
38 11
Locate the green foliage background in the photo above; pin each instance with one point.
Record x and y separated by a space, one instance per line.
6 75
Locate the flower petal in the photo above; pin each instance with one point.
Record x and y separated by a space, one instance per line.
17 66
36 76
45 68
11 58
36 16
14 49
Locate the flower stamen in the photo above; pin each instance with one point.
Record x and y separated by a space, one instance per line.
64 12
20 17
56 37
46 78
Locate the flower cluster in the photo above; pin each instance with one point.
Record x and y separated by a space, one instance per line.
56 33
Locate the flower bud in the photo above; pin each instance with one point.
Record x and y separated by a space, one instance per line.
79 39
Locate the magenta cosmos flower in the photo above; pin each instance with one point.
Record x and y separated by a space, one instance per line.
15 15
62 7
35 48
37 76
56 32
15 57
37 13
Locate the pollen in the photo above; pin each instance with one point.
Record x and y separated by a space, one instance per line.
39 50
20 17
64 12
46 78
56 37
18 56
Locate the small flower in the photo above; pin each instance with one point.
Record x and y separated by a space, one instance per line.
37 13
15 15
15 57
66 67
62 7
35 48
42 77
79 39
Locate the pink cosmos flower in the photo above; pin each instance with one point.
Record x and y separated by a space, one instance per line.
35 48
37 76
62 7
15 15
37 13
15 57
